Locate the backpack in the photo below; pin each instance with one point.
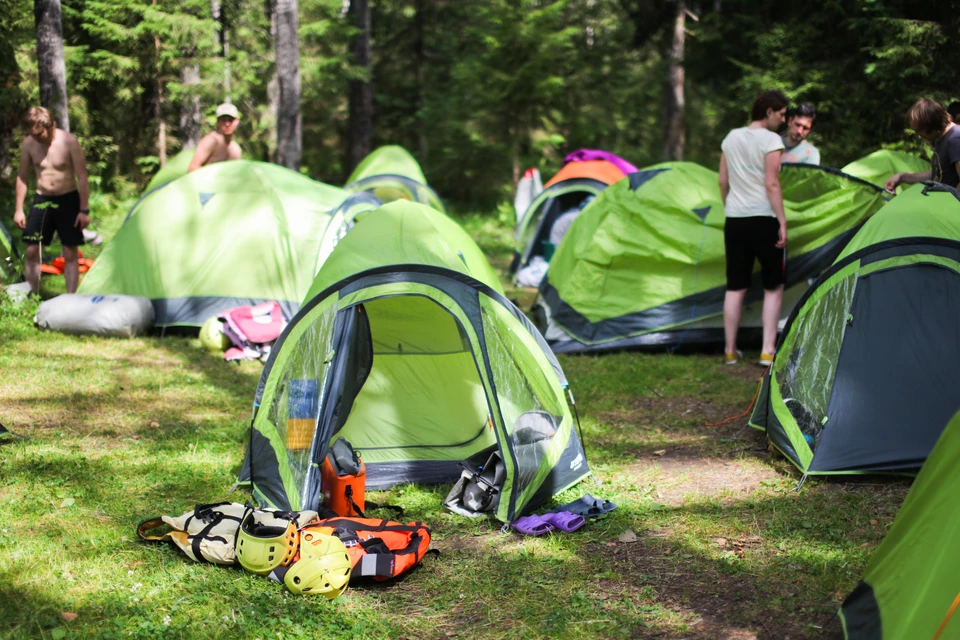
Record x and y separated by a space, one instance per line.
378 549
252 329
209 532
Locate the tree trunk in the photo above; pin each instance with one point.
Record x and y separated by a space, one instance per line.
50 65
190 105
361 91
289 136
223 37
673 130
273 89
158 108
420 64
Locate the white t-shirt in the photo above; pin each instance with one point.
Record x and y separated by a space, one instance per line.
746 151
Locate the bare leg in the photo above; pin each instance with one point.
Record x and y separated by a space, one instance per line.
772 301
71 268
31 267
732 308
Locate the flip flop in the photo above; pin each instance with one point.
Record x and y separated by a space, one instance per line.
532 525
565 521
587 506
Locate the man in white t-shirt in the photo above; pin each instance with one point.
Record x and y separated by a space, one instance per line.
755 226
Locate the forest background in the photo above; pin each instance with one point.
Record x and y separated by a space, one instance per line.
477 90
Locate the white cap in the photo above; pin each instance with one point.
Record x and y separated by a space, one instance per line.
227 109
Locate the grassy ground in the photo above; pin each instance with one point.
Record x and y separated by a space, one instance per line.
119 430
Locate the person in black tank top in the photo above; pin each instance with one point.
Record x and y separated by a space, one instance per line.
931 122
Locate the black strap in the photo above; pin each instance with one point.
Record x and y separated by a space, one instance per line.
369 506
200 537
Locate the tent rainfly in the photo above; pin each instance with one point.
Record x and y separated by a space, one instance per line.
391 173
912 581
644 265
864 376
228 234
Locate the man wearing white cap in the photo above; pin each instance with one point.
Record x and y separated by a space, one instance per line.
219 145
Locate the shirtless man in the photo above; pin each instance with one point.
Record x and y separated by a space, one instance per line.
61 202
219 145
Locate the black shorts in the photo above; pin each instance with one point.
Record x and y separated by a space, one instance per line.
749 239
59 214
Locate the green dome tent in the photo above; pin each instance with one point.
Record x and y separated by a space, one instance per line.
407 348
880 165
912 580
391 173
644 265
176 167
228 234
864 378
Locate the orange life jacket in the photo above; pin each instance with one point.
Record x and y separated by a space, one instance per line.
378 549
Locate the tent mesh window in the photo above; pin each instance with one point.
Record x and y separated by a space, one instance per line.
527 403
805 375
296 405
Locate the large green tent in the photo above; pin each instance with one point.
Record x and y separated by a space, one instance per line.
228 234
864 378
391 173
406 346
644 265
176 167
912 580
877 167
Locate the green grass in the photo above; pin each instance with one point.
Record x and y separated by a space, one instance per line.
120 430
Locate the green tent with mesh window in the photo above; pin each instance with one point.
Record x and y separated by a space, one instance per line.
644 265
913 579
229 234
878 166
391 173
864 377
406 347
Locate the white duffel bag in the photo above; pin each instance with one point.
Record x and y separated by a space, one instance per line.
100 315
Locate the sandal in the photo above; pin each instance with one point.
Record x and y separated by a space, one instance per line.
565 521
587 506
532 525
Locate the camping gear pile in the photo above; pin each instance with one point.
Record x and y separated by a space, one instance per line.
310 555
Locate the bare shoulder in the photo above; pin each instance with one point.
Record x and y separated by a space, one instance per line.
235 151
67 138
209 139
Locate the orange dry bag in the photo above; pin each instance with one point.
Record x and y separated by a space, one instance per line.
378 549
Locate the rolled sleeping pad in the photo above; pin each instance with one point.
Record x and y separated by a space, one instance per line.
110 315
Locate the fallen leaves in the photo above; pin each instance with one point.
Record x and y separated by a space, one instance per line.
69 616
660 452
628 536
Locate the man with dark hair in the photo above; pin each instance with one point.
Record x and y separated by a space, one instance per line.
61 202
796 149
954 111
930 121
755 226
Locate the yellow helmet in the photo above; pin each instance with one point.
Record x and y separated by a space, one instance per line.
212 337
263 548
323 568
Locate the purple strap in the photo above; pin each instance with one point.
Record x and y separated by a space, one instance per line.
585 155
